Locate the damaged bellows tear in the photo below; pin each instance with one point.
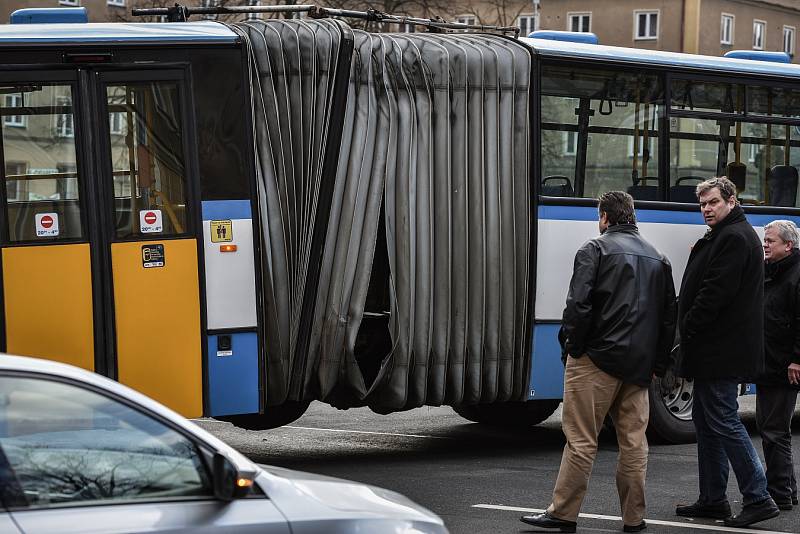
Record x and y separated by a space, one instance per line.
395 208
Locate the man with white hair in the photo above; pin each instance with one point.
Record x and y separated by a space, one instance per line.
777 386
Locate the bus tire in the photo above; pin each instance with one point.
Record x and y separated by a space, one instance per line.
274 416
670 410
509 414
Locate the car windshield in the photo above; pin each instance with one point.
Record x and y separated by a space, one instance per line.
66 445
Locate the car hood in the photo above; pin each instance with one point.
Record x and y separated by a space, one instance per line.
301 494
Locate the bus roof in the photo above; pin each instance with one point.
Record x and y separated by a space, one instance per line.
204 32
655 58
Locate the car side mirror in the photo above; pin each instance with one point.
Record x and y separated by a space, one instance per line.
229 483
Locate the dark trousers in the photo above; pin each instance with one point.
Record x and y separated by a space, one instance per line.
774 410
722 438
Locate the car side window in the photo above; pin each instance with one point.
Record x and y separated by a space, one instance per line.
65 445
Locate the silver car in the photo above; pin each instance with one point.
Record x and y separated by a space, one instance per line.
82 453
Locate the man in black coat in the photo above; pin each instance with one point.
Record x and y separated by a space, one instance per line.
720 318
776 387
619 327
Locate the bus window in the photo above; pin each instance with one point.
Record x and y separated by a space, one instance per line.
703 96
760 157
148 168
600 132
40 167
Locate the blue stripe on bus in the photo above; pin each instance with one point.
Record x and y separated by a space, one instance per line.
233 380
589 213
214 210
547 371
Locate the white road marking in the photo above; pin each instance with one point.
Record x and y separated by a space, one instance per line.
715 528
365 432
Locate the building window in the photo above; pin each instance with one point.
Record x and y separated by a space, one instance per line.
527 24
254 16
470 20
759 33
118 3
570 143
116 123
726 29
18 121
646 24
65 127
788 40
68 2
579 22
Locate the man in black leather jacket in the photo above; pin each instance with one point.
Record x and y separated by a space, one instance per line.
720 317
776 387
619 327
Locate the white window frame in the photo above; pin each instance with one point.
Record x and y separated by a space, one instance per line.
469 19
641 146
254 16
116 3
763 24
648 14
579 15
732 18
531 22
209 3
570 149
791 31
16 121
115 121
65 122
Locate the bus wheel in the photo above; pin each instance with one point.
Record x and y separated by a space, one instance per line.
516 414
671 400
273 417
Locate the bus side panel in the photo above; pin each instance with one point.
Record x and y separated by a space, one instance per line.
547 371
233 358
158 323
48 303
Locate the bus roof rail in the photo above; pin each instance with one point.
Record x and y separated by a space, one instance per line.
180 13
45 15
760 55
571 37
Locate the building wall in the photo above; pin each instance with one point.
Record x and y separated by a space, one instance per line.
744 14
613 20
692 26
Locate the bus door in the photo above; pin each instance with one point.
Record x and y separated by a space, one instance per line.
99 238
149 209
46 254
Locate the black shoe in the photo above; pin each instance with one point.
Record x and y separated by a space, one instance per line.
711 511
546 520
785 506
635 528
753 513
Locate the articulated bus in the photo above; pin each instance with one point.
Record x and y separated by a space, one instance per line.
238 219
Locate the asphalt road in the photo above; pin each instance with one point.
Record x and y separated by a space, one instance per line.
481 479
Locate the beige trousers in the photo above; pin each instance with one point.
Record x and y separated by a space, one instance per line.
590 394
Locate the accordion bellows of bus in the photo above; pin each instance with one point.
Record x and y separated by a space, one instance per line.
393 192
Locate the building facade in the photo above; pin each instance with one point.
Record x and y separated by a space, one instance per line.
710 27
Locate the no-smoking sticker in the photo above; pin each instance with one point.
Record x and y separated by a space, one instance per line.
46 224
150 221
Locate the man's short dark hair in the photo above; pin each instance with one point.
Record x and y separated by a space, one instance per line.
618 207
726 188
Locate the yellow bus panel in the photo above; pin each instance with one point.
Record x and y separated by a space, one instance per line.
158 322
48 303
